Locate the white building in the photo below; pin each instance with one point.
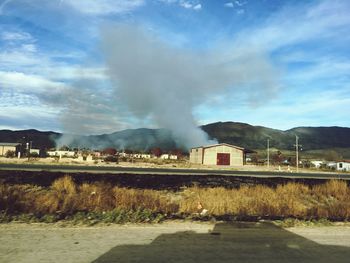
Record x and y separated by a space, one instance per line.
317 164
218 154
35 151
173 157
343 166
61 153
164 156
332 165
7 146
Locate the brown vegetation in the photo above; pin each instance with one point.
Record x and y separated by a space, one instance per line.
330 200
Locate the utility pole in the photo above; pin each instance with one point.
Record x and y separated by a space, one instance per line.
268 154
297 152
27 150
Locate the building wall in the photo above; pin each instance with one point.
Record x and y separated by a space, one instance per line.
196 155
37 151
61 153
343 166
4 149
210 155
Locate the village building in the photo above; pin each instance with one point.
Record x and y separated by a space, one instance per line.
8 147
34 151
317 164
343 166
218 154
61 153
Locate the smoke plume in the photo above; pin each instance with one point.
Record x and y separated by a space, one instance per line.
165 83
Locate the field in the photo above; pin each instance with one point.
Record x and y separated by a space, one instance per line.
102 201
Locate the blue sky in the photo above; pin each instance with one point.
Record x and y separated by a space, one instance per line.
54 75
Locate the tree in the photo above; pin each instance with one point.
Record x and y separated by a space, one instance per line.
109 151
254 158
156 152
34 155
64 148
277 158
111 158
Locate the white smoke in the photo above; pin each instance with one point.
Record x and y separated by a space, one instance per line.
155 79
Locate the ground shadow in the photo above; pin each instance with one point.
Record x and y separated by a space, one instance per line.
230 242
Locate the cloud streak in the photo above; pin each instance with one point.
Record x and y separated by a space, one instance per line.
105 7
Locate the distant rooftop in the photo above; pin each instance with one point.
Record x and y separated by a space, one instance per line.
9 143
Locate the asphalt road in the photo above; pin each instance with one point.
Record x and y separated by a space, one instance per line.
187 242
167 171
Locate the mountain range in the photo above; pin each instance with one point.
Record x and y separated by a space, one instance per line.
236 133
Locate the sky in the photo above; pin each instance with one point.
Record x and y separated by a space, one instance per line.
93 67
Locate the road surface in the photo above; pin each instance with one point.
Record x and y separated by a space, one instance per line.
174 242
167 171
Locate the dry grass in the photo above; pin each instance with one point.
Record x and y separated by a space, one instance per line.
330 200
64 196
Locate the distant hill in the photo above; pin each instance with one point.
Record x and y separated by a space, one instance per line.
40 139
255 137
241 134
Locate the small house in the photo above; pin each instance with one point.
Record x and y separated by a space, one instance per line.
343 166
8 147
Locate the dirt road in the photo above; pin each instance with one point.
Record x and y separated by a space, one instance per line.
174 242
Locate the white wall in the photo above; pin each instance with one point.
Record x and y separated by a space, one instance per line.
4 149
343 166
196 155
210 155
61 153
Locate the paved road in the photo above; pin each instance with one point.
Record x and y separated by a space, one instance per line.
174 242
169 171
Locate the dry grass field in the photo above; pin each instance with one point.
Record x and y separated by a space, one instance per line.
65 198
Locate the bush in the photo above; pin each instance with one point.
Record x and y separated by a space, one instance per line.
34 155
10 154
111 158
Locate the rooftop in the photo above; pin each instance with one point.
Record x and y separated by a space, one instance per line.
9 143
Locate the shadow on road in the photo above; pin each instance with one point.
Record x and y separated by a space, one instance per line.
230 242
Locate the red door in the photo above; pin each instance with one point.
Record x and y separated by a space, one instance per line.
223 159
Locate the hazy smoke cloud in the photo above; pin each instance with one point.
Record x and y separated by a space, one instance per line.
165 83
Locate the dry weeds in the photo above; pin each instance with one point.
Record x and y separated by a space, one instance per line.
330 200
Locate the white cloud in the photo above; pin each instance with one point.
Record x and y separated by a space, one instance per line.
240 3
105 7
74 73
29 48
197 7
16 36
191 5
33 84
186 5
229 5
240 11
315 23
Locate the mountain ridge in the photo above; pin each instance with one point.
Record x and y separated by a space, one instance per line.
237 133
